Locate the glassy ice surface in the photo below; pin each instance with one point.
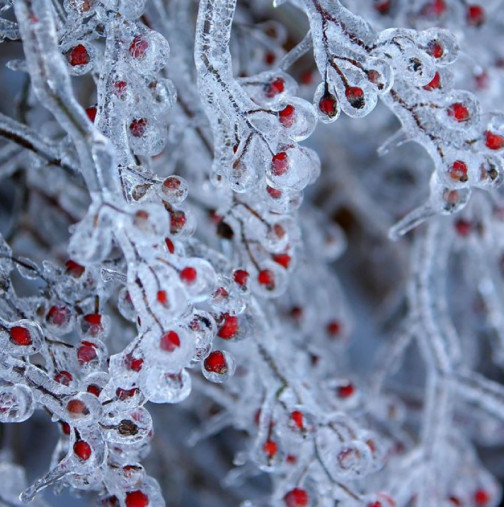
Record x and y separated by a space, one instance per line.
251 254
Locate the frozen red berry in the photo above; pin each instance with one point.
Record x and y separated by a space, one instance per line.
296 497
78 56
170 341
188 275
136 498
216 363
229 327
20 336
82 450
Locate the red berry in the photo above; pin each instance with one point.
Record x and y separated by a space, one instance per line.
188 275
346 391
77 407
136 499
93 319
124 394
435 8
296 497
91 113
382 6
375 504
78 56
266 277
177 221
120 88
270 448
306 77
169 341
74 269
82 450
328 105
94 389
162 297
138 47
269 58
274 88
20 336
65 428
283 259
459 112
481 497
229 328
86 353
435 49
493 141
273 192
475 15
63 377
58 315
286 116
333 328
355 96
216 362
280 163
138 127
133 363
297 418
458 171
434 84
240 276
170 245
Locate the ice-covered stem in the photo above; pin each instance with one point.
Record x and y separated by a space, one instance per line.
52 86
27 138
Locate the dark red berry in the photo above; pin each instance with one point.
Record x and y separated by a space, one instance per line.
91 113
63 377
86 353
138 127
74 269
58 315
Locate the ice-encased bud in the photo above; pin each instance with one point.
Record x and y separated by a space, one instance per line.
160 386
16 403
297 118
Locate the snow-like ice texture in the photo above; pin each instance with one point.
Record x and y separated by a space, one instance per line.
178 178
